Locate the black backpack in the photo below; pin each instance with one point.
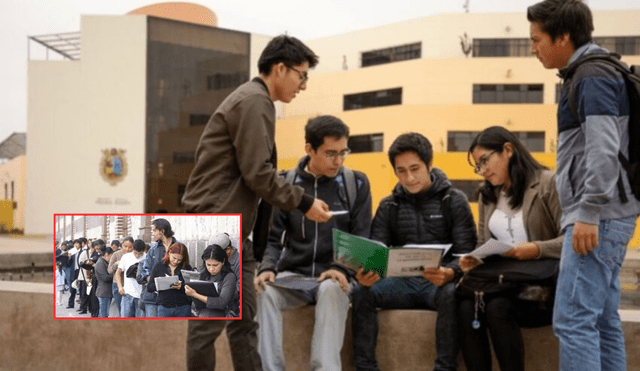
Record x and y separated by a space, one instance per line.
631 77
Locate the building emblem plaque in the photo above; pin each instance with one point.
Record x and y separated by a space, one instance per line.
113 165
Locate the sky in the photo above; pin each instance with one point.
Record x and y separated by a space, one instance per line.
303 19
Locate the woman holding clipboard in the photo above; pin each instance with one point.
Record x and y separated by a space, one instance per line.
217 270
172 301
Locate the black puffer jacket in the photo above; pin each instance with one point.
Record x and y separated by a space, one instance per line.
308 245
420 219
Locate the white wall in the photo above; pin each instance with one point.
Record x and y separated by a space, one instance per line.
76 110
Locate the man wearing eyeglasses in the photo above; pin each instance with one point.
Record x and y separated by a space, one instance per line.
301 250
235 169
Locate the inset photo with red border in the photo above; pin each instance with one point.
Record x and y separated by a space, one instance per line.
147 266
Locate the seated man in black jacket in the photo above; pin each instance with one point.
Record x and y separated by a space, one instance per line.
424 208
308 249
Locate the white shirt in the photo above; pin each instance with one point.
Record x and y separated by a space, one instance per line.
131 286
507 224
83 255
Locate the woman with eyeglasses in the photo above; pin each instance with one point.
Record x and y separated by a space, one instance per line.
518 205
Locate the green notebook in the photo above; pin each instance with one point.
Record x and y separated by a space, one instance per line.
354 252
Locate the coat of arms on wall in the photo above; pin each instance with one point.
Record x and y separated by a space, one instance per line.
113 165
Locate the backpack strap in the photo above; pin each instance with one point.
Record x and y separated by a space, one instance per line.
611 60
351 186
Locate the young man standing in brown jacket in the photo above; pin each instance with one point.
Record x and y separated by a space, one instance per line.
235 169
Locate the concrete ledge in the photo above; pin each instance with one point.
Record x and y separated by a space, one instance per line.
31 339
26 260
406 341
410 333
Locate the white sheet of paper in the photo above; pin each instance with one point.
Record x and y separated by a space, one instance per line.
491 247
339 212
409 261
164 283
190 276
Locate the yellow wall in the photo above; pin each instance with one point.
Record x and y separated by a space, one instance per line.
6 215
15 171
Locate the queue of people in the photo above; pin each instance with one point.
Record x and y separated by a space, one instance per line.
117 276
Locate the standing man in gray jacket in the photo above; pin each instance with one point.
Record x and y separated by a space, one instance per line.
599 210
236 168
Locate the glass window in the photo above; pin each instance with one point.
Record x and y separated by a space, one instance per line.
198 119
623 45
188 157
366 143
501 47
377 98
469 188
508 93
460 141
231 80
393 54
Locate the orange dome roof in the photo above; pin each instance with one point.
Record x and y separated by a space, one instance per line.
186 12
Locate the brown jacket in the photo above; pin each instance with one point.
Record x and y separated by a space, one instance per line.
541 214
236 157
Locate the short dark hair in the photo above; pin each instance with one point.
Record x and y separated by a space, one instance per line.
521 168
559 17
139 245
321 127
105 250
115 242
215 252
98 242
128 238
411 142
164 226
82 240
288 50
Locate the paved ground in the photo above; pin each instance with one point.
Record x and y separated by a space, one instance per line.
63 312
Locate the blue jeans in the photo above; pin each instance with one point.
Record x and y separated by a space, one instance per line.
116 296
104 307
130 307
151 310
404 293
585 318
182 311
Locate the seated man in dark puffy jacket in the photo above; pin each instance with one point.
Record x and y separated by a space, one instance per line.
424 208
